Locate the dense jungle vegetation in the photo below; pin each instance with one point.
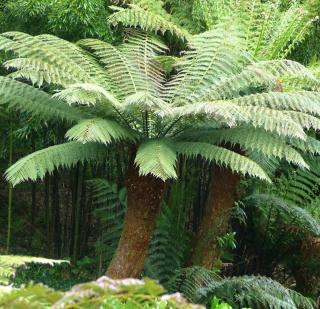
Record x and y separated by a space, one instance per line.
160 154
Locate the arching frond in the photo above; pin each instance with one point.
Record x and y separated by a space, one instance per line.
135 16
142 50
144 101
99 130
38 164
305 120
290 214
38 72
223 157
310 145
157 157
257 140
213 56
132 66
304 101
86 94
230 113
25 98
200 285
46 52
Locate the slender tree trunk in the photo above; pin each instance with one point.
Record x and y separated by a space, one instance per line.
143 204
56 235
216 217
77 214
10 190
33 209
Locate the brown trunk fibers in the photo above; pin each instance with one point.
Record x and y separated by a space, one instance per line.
143 204
215 222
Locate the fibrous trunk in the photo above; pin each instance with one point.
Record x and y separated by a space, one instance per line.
216 217
144 195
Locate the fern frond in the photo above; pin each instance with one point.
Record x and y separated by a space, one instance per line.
304 120
142 50
157 157
213 56
257 140
222 157
128 73
36 165
303 101
200 285
25 98
46 52
263 74
38 72
135 16
111 205
86 94
289 213
99 130
230 113
144 101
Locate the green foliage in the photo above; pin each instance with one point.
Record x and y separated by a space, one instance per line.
103 293
67 155
135 16
201 285
111 206
98 130
60 276
217 304
10 263
171 241
67 18
157 158
130 90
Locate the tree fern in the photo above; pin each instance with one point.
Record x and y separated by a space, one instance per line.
199 284
125 86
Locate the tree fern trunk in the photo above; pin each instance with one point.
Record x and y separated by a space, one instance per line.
143 204
216 217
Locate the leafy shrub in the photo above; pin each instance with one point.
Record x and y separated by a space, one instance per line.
61 276
103 293
10 263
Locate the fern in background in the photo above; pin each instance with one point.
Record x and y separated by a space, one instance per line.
171 240
110 209
199 284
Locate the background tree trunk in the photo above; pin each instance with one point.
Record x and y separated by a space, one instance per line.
216 217
143 203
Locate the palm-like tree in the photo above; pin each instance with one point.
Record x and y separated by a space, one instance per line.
118 95
269 33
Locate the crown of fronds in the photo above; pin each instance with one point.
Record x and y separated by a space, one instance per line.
120 94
